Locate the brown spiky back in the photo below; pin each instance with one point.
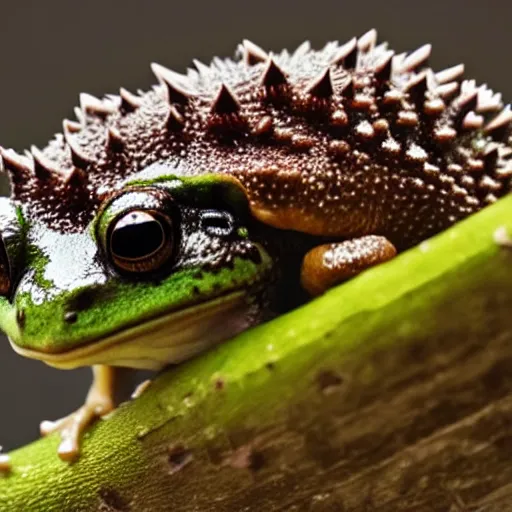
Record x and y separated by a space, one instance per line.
347 140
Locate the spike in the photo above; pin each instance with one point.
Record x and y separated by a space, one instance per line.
499 126
44 168
491 158
447 91
114 140
252 53
96 107
464 105
129 102
468 101
488 101
75 179
273 75
79 115
321 87
113 98
225 102
450 74
18 166
346 55
383 68
202 68
472 122
220 64
174 121
381 48
367 41
348 90
468 87
176 84
398 61
302 50
417 87
417 58
78 157
72 126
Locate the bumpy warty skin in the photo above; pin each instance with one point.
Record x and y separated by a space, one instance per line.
343 141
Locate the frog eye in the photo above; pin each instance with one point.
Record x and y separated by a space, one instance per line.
141 241
137 230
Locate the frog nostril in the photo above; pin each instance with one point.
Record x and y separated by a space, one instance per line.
217 223
20 317
70 317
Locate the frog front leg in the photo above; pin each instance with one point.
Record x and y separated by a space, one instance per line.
326 265
98 403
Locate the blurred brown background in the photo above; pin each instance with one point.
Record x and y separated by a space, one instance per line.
51 51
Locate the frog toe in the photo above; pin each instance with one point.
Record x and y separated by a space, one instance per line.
99 402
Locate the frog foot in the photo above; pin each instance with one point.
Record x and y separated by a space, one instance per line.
327 265
98 403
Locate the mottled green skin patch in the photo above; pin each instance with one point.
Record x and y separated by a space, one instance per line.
122 304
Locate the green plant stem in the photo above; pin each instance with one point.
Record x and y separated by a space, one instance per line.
390 392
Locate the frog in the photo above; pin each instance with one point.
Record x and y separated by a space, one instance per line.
162 223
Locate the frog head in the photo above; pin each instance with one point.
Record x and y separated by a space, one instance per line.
163 268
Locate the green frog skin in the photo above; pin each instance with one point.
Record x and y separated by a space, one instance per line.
159 224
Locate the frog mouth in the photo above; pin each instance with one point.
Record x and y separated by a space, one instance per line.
169 338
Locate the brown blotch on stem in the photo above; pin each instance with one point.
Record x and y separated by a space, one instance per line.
246 457
328 381
178 457
111 499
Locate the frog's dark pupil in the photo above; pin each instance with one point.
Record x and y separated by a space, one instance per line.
137 236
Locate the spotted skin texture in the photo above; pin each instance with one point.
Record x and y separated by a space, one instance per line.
341 142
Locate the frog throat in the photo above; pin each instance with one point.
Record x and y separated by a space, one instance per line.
169 338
